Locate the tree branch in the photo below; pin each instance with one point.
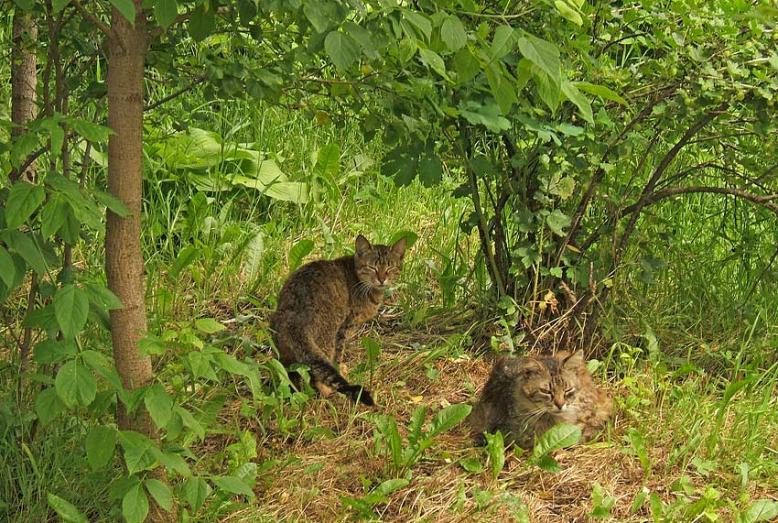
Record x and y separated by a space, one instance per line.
599 174
175 94
105 29
766 201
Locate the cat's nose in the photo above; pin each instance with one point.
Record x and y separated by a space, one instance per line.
560 404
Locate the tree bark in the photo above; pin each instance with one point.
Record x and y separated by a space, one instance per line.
24 80
127 46
24 109
123 256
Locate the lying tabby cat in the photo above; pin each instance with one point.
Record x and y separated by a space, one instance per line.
322 300
526 396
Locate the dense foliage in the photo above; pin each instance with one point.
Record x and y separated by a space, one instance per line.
588 174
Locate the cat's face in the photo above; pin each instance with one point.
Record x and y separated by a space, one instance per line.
548 384
378 266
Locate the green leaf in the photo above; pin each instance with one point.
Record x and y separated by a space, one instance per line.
23 199
172 462
328 162
561 186
138 453
126 8
195 492
53 216
420 22
495 448
472 465
503 88
548 91
466 65
159 404
66 510
503 42
363 37
165 11
152 346
231 364
447 418
7 268
543 54
189 421
25 246
557 221
433 60
391 485
200 364
75 384
401 164
102 296
23 147
568 12
602 503
487 115
161 493
549 464
233 485
574 95
254 250
91 131
53 351
185 258
342 49
202 23
48 405
453 34
113 203
100 446
761 510
208 325
601 91
56 133
135 505
71 308
430 170
317 14
557 437
299 251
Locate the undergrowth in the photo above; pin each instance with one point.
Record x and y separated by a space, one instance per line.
694 435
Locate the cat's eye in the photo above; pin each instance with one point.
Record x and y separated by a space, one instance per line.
569 392
545 392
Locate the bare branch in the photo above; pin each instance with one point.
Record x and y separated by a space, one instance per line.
175 94
599 174
766 200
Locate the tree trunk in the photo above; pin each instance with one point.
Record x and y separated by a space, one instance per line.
24 79
24 109
127 48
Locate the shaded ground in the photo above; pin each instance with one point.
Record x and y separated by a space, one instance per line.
333 454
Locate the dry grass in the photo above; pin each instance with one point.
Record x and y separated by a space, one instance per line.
313 474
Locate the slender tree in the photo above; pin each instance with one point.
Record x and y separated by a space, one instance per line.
24 79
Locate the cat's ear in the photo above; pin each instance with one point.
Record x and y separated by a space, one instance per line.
574 360
362 245
398 249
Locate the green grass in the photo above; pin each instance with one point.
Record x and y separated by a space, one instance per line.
694 432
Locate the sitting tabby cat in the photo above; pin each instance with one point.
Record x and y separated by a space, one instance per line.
322 300
526 396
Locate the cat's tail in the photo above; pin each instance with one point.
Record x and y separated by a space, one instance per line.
325 374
